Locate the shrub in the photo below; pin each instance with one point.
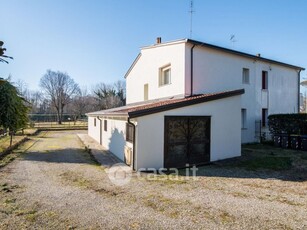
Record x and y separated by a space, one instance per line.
288 123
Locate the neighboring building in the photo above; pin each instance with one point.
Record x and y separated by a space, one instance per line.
184 104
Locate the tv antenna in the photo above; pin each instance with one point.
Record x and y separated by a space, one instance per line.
191 17
233 40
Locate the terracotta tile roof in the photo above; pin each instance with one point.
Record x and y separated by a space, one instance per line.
164 105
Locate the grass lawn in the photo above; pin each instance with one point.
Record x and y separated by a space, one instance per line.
5 141
267 160
259 156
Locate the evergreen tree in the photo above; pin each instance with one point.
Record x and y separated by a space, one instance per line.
13 109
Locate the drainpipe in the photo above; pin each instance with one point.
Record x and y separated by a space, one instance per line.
100 135
192 70
133 143
299 90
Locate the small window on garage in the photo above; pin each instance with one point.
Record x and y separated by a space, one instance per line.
105 125
94 122
129 132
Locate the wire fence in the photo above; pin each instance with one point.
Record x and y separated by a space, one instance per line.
65 124
51 121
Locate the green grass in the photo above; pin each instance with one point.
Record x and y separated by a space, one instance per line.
5 142
267 162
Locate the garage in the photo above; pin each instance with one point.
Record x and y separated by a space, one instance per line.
173 132
186 141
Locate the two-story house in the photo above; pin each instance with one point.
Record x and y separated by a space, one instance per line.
184 104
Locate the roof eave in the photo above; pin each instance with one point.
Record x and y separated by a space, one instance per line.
243 54
181 104
133 64
107 115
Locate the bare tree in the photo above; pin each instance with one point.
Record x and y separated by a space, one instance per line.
110 96
59 87
36 100
80 104
120 87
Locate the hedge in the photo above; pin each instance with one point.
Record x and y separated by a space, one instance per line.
295 123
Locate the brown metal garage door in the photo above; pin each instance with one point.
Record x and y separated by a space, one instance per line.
186 141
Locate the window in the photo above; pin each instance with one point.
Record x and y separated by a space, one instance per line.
94 122
145 92
264 117
243 118
129 132
165 75
245 76
105 125
264 79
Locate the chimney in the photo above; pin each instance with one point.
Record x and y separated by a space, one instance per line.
158 40
258 55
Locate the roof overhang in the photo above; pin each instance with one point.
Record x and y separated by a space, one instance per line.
246 55
193 100
157 106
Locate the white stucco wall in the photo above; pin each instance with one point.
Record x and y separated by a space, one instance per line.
216 71
114 139
225 131
94 131
146 71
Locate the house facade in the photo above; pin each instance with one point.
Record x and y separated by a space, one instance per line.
194 68
191 103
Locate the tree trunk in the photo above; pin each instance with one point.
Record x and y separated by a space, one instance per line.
59 116
11 141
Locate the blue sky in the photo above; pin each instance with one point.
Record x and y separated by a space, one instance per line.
97 40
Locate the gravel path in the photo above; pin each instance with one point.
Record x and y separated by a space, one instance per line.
56 185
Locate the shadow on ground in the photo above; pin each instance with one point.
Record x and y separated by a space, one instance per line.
69 155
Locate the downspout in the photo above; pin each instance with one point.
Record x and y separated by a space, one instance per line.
192 70
299 90
100 135
133 144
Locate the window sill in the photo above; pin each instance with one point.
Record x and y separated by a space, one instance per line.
164 85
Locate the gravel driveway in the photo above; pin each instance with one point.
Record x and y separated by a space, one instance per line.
56 185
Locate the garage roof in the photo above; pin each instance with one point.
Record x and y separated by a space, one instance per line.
146 108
